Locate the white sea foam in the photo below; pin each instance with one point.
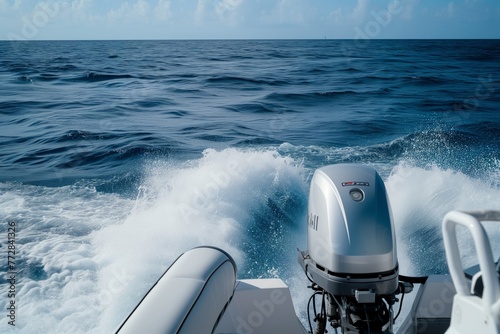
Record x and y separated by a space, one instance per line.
420 197
89 257
56 282
97 254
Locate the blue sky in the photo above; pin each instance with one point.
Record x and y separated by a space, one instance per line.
242 19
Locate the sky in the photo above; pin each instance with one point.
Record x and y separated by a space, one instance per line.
248 19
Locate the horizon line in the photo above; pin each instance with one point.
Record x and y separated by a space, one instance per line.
246 39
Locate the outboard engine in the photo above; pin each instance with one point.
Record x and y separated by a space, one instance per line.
351 250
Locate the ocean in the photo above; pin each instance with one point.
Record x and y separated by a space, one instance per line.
117 156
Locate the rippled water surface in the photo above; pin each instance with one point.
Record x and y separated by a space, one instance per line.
117 156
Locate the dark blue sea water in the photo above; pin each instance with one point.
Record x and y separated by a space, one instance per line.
117 156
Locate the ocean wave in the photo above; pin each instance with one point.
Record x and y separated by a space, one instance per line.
256 108
230 80
97 77
47 77
420 197
317 97
77 240
428 80
66 67
444 148
290 97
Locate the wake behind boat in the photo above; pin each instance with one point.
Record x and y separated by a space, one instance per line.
351 262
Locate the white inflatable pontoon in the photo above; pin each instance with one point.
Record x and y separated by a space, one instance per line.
352 264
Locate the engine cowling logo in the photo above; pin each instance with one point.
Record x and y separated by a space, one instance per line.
312 221
355 183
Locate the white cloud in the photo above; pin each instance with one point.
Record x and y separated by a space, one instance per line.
81 9
227 10
138 10
17 4
359 12
251 18
163 10
4 5
408 9
199 13
451 9
141 10
228 5
289 11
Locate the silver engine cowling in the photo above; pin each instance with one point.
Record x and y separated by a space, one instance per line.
351 244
